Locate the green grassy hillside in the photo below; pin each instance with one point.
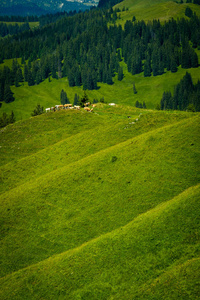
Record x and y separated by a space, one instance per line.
149 89
99 205
156 9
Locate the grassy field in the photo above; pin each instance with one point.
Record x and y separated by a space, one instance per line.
150 10
99 205
47 94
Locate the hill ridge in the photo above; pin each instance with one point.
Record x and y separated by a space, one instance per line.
105 150
137 219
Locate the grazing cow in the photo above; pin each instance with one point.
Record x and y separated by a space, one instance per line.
88 109
93 105
87 103
67 105
112 104
77 107
47 109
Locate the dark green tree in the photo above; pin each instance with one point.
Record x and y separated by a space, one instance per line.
30 78
37 111
173 65
25 72
4 120
12 118
188 12
63 97
147 67
84 99
120 73
76 100
134 88
8 94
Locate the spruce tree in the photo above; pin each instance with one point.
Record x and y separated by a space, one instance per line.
25 72
173 65
12 118
38 110
109 77
76 100
134 88
63 97
8 94
84 99
30 78
147 67
120 73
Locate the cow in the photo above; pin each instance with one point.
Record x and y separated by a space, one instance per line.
67 105
47 109
77 107
87 103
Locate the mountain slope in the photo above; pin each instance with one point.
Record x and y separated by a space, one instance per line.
70 206
151 10
36 7
154 247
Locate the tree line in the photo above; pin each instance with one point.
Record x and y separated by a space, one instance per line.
86 50
186 96
6 29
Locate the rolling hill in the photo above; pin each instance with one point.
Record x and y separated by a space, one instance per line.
102 204
152 10
75 185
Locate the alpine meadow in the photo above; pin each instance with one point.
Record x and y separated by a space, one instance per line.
100 152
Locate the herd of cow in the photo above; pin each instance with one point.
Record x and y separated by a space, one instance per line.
69 106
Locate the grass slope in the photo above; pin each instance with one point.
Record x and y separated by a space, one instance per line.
47 94
67 204
150 10
51 141
155 256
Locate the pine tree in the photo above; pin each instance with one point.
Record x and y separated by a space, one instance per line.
4 120
12 118
173 65
2 90
109 77
137 104
76 100
120 74
37 111
30 78
25 72
134 88
84 99
8 94
20 75
63 97
38 78
144 105
147 67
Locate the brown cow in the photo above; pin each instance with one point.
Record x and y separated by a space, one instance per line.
87 108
